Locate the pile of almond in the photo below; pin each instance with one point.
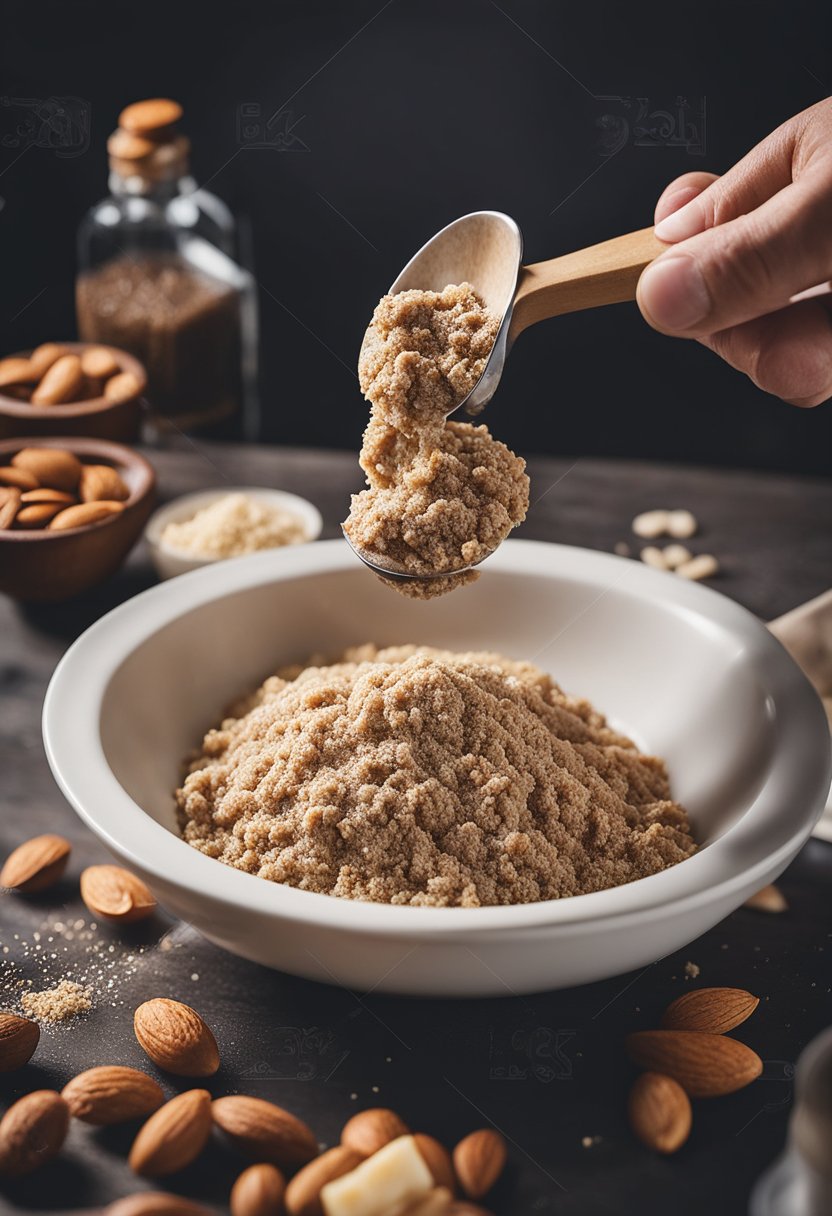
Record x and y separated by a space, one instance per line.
55 375
51 488
689 1057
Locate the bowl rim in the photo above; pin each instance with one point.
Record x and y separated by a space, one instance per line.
119 454
14 408
170 510
765 837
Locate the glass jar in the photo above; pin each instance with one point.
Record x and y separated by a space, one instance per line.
160 276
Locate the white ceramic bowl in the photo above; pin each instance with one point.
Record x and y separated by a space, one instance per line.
170 561
690 674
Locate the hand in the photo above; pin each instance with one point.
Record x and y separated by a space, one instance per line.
744 245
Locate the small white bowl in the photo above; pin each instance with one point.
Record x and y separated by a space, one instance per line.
170 561
692 676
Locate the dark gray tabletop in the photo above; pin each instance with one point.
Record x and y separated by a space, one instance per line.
548 1070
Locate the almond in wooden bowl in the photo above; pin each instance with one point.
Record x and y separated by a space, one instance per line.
66 551
72 388
176 1038
115 894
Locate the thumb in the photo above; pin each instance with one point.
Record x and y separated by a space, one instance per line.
742 269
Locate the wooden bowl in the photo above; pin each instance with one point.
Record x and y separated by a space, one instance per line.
38 565
98 417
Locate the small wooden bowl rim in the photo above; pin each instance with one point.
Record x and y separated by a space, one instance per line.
75 409
106 450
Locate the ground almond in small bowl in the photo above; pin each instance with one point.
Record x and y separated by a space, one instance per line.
233 525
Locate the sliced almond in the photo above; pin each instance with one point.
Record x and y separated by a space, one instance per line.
36 864
769 899
18 1040
155 1203
61 384
43 357
174 1136
9 504
258 1191
705 1065
99 363
122 387
114 893
303 1194
438 1160
176 1038
53 467
37 514
370 1130
265 1132
32 1132
479 1160
659 1112
111 1094
84 514
19 479
15 370
712 1010
102 481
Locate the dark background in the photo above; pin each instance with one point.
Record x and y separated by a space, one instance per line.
403 116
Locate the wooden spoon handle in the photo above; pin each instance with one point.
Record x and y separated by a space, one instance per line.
603 274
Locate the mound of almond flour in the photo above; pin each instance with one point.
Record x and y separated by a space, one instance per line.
424 777
441 495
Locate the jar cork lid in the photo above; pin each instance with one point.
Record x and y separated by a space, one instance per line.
146 144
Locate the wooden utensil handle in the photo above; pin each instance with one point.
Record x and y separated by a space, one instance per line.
602 274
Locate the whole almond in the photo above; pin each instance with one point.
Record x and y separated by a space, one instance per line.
20 479
303 1194
37 514
370 1130
149 117
114 893
155 1203
174 1136
713 1010
122 387
659 1112
112 1093
44 494
15 370
43 357
438 1160
102 481
99 363
478 1161
176 1038
768 899
705 1065
9 505
18 1040
54 467
36 864
31 1132
85 513
62 382
265 1132
258 1191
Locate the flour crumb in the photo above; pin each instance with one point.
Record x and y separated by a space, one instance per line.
692 970
66 1000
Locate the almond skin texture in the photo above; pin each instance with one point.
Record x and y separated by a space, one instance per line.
9 505
62 383
99 363
101 481
176 1038
53 467
438 1160
85 513
18 1040
174 1136
705 1065
36 514
258 1191
44 494
659 1112
479 1160
112 1094
265 1132
115 894
370 1130
303 1194
20 479
36 864
155 1203
712 1010
32 1132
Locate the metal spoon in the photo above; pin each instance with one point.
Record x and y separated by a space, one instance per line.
485 249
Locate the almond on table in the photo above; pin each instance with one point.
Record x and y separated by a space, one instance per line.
176 1038
303 1194
659 1112
112 1093
173 1136
705 1065
713 1010
264 1131
32 1132
479 1160
36 864
370 1130
258 1191
18 1040
115 894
